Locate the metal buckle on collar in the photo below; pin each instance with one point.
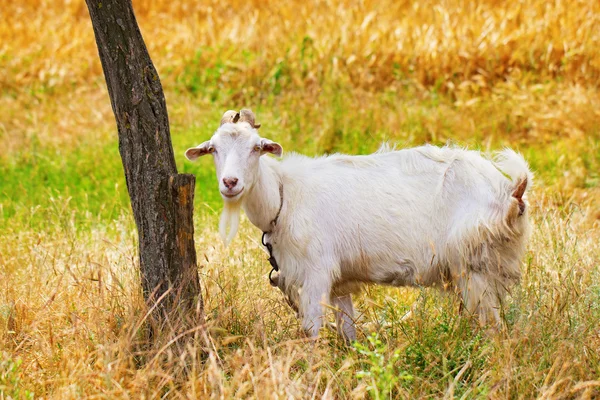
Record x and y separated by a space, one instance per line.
263 239
270 278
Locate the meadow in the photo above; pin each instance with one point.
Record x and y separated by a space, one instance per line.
322 77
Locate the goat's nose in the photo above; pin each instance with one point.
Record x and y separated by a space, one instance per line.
230 182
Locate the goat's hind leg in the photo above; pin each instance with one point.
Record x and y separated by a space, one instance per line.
344 317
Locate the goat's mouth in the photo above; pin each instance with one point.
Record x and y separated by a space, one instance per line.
232 195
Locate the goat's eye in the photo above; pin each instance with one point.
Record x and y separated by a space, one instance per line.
211 149
256 148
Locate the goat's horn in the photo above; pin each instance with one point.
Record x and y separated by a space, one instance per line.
230 116
248 116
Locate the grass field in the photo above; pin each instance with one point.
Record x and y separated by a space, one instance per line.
322 77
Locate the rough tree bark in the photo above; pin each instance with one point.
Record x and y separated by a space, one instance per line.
162 199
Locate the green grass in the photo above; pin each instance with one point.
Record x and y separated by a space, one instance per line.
86 182
40 179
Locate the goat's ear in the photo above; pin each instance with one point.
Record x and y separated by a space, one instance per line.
193 153
269 146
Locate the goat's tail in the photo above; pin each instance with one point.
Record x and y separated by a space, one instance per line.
516 168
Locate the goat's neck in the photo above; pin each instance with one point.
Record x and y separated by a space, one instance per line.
263 201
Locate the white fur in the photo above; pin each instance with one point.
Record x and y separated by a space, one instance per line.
426 216
229 222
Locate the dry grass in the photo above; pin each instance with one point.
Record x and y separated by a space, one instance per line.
366 43
545 56
323 76
71 311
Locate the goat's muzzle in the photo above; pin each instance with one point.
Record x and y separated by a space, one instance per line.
230 183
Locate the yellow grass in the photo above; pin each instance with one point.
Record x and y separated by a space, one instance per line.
324 76
72 307
522 51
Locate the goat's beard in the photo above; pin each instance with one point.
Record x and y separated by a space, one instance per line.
230 218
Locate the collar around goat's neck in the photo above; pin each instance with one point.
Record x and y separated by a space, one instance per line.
273 222
268 245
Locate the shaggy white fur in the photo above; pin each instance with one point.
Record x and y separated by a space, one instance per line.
428 216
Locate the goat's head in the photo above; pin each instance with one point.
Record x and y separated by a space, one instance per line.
236 148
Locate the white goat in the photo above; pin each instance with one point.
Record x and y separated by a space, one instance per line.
429 216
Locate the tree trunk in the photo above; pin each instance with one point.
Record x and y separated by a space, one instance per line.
162 199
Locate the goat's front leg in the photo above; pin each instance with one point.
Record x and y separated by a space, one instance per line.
344 317
313 296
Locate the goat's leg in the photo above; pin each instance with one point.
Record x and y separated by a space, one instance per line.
480 298
344 317
314 294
